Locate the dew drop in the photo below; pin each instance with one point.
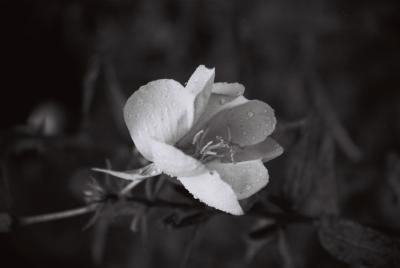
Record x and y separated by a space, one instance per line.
244 133
222 101
250 114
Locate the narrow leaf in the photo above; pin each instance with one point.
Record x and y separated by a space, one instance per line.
356 244
135 174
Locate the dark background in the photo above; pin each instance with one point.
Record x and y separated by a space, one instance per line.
74 63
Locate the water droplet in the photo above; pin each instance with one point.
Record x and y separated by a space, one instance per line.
222 101
244 133
253 138
250 114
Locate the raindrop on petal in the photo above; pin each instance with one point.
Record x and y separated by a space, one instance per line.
250 114
222 101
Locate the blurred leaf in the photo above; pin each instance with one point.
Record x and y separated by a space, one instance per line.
310 185
324 107
100 240
5 223
89 87
153 187
389 194
284 249
116 99
47 119
189 246
393 176
180 219
262 234
356 244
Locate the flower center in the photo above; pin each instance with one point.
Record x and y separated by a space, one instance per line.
217 148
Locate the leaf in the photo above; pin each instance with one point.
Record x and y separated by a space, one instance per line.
309 184
5 223
116 98
389 195
262 234
284 249
135 174
181 219
356 244
89 81
393 176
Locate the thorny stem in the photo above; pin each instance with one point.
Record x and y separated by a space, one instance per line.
282 218
57 215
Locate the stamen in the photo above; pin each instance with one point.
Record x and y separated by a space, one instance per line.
206 147
228 129
197 136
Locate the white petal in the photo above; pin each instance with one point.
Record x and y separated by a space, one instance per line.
246 124
265 151
231 89
160 109
245 178
211 190
174 162
200 86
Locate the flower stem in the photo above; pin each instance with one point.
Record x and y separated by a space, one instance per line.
57 215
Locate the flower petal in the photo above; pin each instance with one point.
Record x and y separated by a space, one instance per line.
247 124
230 89
264 151
159 109
216 104
245 178
173 161
211 190
200 85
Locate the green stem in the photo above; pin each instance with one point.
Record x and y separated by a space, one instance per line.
57 215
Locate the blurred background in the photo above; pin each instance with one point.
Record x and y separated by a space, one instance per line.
328 68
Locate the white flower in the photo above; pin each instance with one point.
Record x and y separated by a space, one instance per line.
206 134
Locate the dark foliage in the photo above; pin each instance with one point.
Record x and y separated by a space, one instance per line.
328 68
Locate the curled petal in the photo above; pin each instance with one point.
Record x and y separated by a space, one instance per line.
245 178
264 151
216 104
246 124
159 109
211 190
230 89
173 161
200 85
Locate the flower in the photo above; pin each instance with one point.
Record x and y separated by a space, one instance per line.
206 134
